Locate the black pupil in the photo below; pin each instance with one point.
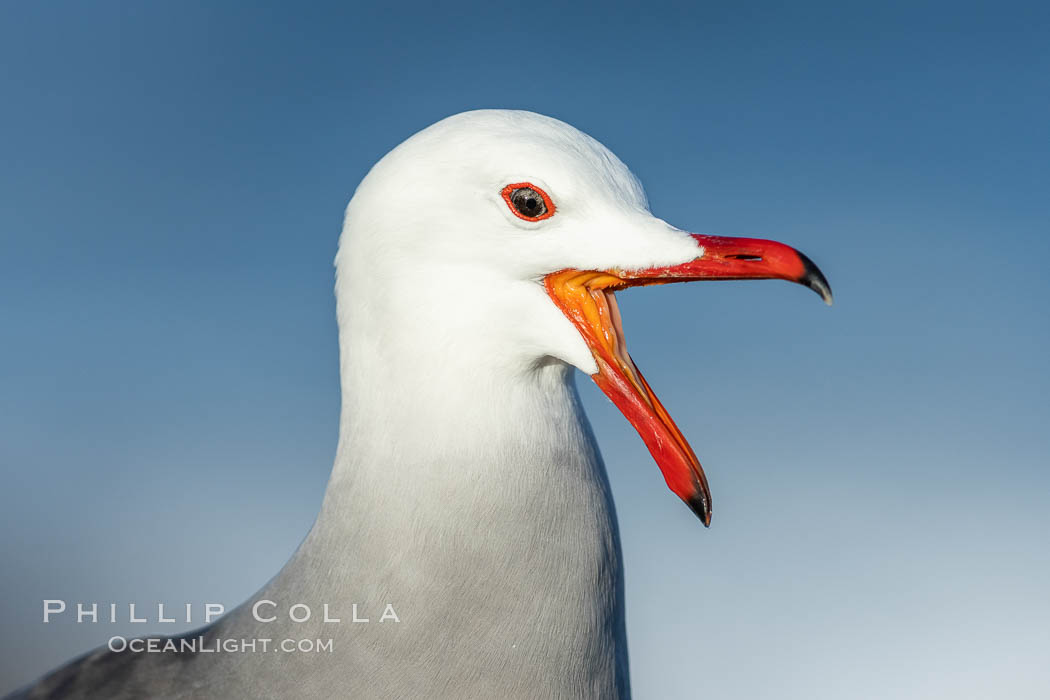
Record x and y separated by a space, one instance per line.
528 202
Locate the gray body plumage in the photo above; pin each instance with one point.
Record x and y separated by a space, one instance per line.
522 598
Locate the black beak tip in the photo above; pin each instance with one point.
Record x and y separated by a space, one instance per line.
815 279
701 507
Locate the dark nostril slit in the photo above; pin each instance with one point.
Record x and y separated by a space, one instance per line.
754 258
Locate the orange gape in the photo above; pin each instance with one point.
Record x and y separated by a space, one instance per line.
587 299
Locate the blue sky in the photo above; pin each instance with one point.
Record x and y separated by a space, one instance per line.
172 179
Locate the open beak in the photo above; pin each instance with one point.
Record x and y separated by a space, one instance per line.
587 298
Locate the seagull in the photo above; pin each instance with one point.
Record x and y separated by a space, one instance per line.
468 517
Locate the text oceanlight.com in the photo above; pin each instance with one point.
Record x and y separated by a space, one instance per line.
201 645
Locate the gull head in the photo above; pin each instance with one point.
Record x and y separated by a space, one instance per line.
498 238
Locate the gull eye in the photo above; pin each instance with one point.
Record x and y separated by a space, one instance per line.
528 201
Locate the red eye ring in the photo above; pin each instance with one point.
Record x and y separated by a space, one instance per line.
508 193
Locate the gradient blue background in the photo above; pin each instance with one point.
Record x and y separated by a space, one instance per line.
172 180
